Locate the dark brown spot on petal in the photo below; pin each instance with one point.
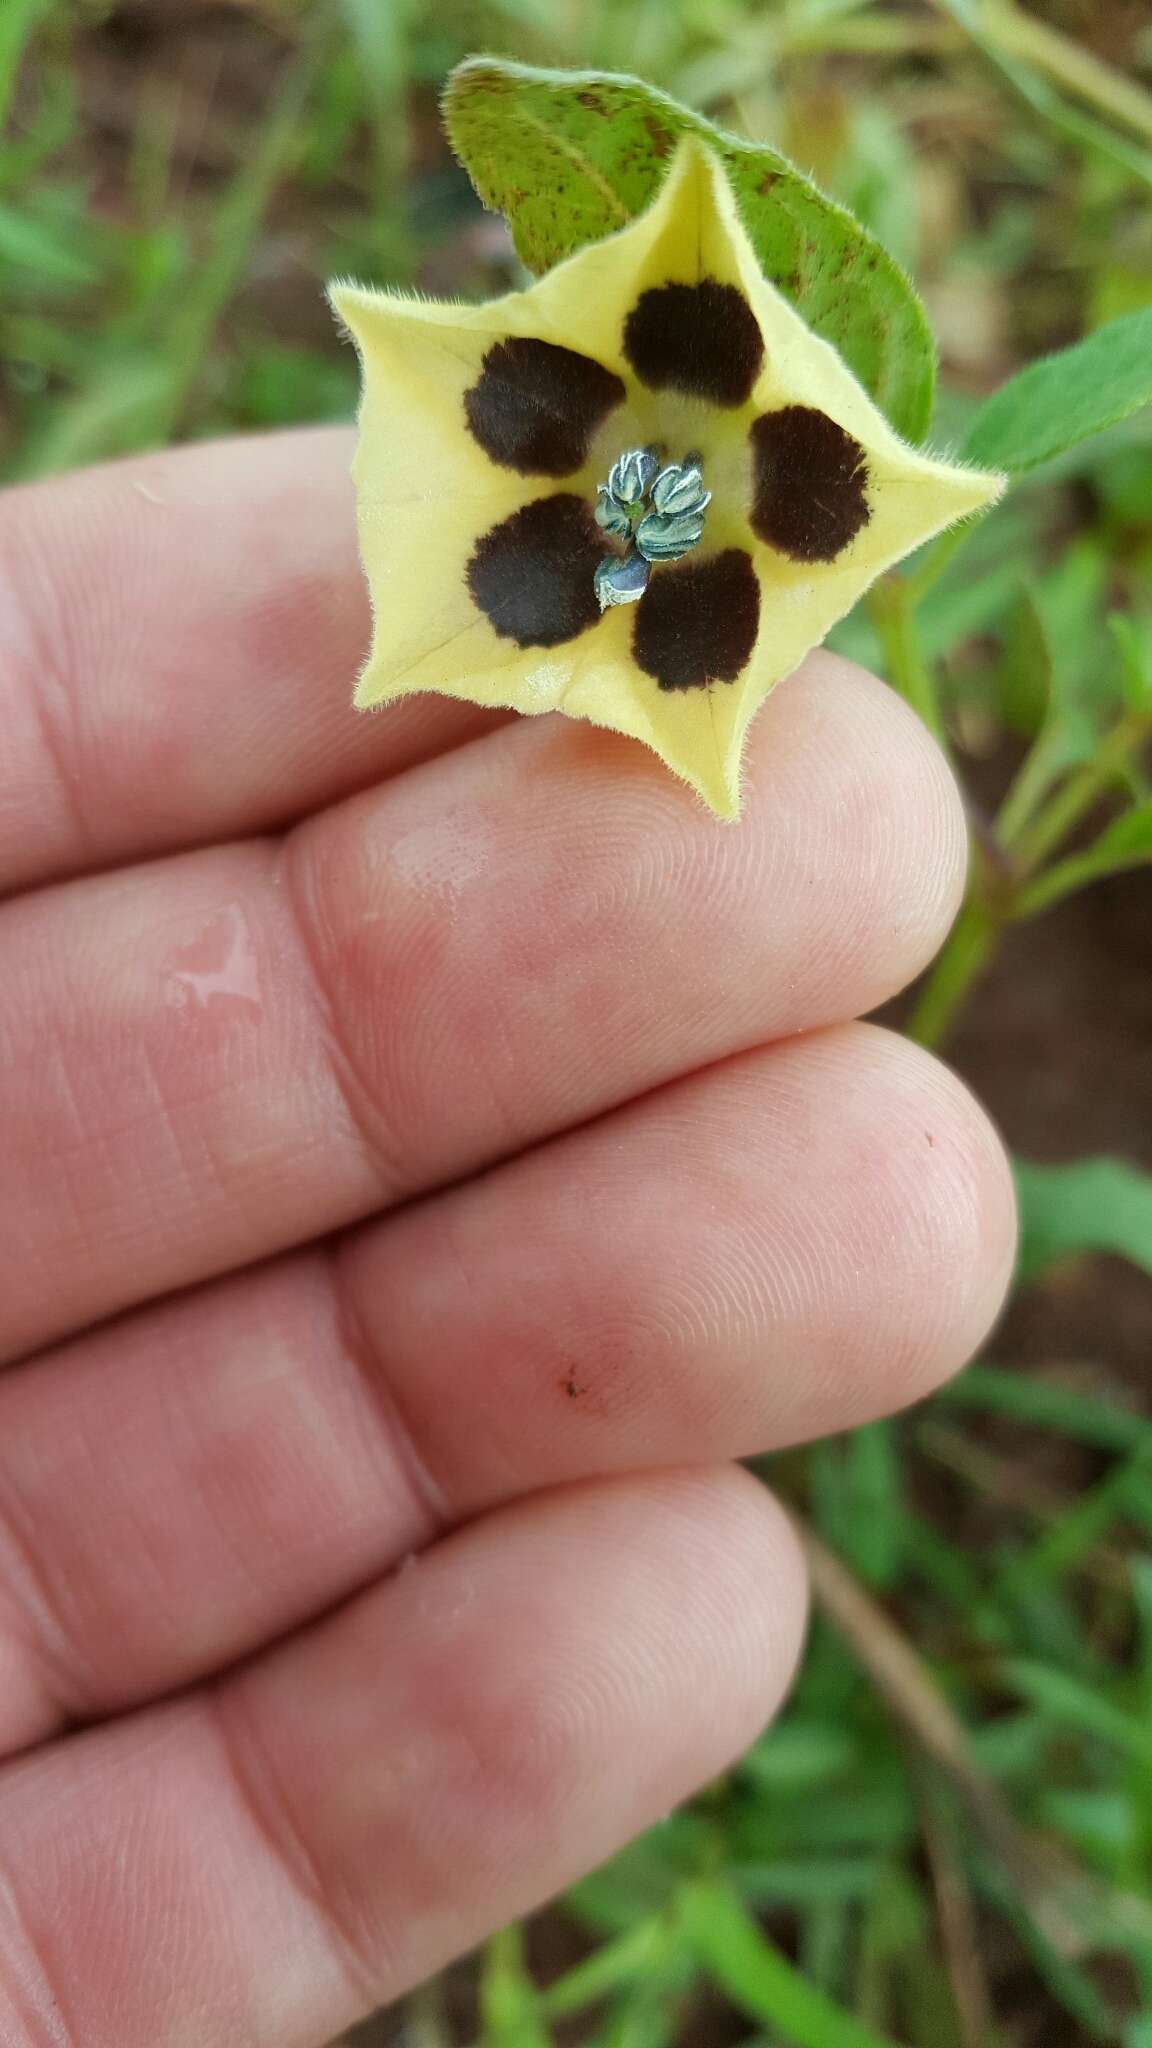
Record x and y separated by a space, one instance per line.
701 339
535 406
809 484
532 574
696 624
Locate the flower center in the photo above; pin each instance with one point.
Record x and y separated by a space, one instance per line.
654 510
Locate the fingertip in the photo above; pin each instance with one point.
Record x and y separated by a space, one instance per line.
886 815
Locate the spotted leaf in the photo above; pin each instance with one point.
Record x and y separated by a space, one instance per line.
572 156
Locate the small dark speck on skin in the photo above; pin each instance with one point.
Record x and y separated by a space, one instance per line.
571 1389
930 1138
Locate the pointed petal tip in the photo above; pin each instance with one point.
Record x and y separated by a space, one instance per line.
718 789
977 490
372 691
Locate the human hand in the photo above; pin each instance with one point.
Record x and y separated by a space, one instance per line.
425 1138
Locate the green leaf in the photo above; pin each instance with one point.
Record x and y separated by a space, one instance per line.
1092 1205
571 156
1024 673
641 1878
796 1755
761 1981
27 245
624 1959
1065 398
1133 641
19 20
1127 841
510 2009
1046 1404
1071 1703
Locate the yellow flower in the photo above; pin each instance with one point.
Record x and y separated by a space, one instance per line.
511 453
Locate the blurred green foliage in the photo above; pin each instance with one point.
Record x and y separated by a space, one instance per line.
947 1840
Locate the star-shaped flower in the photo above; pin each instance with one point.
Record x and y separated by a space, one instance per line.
637 492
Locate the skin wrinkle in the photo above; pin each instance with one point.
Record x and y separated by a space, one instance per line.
147 1876
35 611
45 1696
219 707
366 1356
878 781
272 1816
207 1431
25 1977
383 1151
639 1351
741 1197
520 1751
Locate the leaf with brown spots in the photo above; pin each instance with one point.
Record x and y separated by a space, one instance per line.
572 156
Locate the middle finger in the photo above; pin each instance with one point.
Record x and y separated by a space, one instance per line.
210 1059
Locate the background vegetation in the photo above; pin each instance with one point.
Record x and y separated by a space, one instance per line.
947 1842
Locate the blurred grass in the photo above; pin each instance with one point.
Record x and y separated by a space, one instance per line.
947 1841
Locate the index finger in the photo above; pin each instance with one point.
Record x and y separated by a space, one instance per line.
179 637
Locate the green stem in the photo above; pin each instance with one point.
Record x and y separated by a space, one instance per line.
1077 796
19 21
936 557
1067 877
962 961
1030 785
892 608
1069 66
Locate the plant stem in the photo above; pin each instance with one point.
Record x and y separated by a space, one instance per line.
1075 798
963 959
936 557
892 609
1076 70
1030 785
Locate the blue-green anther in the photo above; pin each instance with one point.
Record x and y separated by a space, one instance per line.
621 579
656 510
676 520
663 537
612 515
680 488
632 476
